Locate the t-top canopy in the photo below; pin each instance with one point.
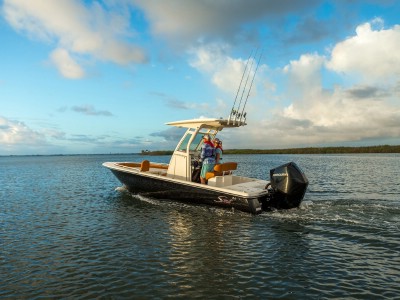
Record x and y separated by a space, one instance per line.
217 124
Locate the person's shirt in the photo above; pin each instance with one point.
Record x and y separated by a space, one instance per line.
218 150
207 154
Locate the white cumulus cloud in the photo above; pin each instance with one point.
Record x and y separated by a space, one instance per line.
372 53
226 72
66 65
76 28
14 133
364 108
307 110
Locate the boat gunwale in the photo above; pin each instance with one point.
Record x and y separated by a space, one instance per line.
225 189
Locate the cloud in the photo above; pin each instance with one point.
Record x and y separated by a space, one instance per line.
315 103
362 109
304 75
66 65
15 135
92 30
172 134
81 31
309 29
226 72
202 20
177 104
372 53
16 138
83 138
335 117
14 132
174 103
91 111
366 91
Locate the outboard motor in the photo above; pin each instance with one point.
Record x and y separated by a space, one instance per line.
288 186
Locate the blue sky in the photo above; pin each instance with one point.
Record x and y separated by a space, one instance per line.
105 76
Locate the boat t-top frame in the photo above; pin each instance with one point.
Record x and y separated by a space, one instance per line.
189 147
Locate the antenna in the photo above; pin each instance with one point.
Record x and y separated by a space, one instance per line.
236 115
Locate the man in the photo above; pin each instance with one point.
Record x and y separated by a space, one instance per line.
207 157
218 150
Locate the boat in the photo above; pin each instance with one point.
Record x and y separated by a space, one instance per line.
178 180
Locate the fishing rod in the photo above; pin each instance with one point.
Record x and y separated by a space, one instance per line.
236 115
233 111
243 114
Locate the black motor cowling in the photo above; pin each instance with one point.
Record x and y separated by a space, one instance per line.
289 184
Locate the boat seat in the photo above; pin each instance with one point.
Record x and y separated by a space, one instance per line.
222 169
145 166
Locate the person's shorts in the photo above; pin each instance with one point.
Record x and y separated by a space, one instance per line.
206 168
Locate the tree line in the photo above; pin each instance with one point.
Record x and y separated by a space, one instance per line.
307 150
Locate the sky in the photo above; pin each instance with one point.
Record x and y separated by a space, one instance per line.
88 77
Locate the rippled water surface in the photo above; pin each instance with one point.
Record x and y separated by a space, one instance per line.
68 231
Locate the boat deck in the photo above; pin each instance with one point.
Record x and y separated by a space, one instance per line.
238 183
250 187
228 182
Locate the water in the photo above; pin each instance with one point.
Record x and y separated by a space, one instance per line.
66 232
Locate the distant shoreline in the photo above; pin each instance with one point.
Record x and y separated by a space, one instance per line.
307 150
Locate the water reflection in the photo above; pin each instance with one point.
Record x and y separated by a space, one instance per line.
234 254
199 250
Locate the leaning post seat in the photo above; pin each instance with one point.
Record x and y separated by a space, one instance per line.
222 169
145 166
155 168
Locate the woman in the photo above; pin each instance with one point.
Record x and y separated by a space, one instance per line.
218 150
207 157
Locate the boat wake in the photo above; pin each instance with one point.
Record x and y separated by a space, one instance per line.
359 213
379 214
121 189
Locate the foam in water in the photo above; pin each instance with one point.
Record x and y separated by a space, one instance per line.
121 189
